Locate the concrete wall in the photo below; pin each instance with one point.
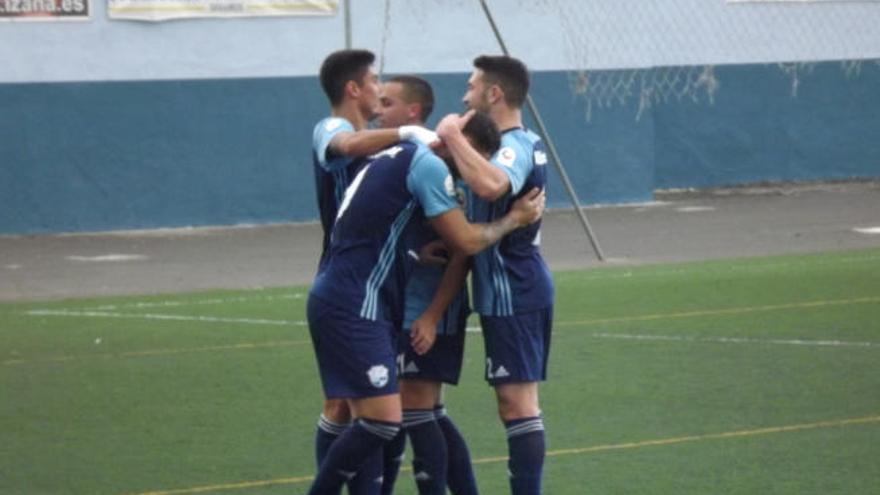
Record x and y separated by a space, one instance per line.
118 125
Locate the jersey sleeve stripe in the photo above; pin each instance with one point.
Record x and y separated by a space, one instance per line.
386 259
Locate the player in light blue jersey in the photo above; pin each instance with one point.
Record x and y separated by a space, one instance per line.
512 286
352 88
356 302
435 297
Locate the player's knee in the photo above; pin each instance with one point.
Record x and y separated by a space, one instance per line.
419 394
517 402
508 411
336 410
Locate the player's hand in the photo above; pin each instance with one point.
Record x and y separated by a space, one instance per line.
423 333
434 253
417 133
453 123
529 208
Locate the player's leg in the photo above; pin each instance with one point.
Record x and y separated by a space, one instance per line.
363 370
460 472
517 348
392 459
419 397
377 420
335 418
520 412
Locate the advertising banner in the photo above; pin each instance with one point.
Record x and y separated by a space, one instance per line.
163 10
44 10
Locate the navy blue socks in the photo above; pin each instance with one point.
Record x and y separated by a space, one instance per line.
350 452
429 451
526 447
459 473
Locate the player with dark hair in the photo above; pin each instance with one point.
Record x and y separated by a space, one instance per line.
356 302
436 301
512 286
405 100
352 88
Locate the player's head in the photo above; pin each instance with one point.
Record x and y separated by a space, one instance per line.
497 79
405 100
348 75
483 134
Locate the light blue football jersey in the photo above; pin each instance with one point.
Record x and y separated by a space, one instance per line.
332 173
365 271
423 281
511 277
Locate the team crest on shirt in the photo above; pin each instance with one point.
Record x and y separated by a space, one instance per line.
449 185
506 156
540 158
332 124
378 375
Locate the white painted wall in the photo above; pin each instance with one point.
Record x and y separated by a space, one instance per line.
443 36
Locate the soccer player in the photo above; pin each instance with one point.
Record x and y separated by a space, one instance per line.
436 303
513 288
352 88
355 304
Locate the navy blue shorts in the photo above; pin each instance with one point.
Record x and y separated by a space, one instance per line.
355 356
517 347
442 363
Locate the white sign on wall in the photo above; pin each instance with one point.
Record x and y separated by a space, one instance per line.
163 10
44 10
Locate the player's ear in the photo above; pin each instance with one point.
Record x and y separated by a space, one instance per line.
413 110
352 89
496 94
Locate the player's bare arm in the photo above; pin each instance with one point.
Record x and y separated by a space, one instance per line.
423 332
369 141
435 253
485 180
470 238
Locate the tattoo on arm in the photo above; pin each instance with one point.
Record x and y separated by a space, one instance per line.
493 232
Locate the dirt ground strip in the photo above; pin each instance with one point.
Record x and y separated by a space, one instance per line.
678 226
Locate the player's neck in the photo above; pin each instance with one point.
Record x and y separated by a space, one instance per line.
506 117
350 111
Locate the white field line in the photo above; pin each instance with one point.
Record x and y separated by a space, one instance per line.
589 275
734 340
197 302
158 352
719 340
103 258
653 317
154 316
474 329
694 209
639 272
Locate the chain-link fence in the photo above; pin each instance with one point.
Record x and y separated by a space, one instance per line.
633 52
673 26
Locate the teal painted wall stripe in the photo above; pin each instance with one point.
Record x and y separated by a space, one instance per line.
133 155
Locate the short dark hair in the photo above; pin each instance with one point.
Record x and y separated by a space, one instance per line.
417 90
342 66
509 73
483 133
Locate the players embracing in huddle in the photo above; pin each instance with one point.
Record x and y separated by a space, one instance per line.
385 197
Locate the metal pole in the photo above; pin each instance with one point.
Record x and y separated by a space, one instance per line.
550 147
346 14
